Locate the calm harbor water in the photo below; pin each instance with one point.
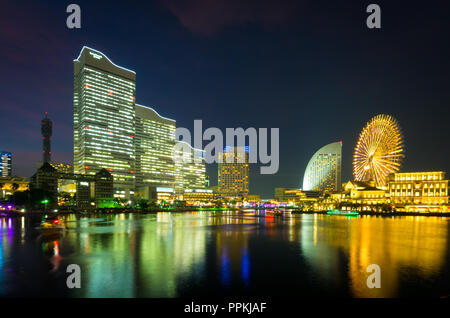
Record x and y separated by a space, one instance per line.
227 253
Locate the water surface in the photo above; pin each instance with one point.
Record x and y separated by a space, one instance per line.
227 253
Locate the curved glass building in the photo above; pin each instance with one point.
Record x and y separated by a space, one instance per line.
323 172
154 142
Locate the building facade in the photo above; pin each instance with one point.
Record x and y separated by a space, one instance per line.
233 169
418 188
323 172
5 164
365 194
10 185
104 119
190 168
154 142
198 196
289 195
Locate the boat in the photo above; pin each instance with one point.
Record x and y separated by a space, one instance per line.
51 226
342 212
275 212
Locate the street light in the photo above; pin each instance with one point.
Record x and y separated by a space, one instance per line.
45 202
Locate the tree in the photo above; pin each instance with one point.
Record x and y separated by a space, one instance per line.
143 204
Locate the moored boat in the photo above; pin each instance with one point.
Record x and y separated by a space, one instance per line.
51 226
342 212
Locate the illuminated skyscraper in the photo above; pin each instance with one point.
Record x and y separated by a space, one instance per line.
191 173
234 171
155 141
46 130
104 118
323 172
5 164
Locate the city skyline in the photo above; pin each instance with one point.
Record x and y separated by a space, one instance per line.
343 110
186 149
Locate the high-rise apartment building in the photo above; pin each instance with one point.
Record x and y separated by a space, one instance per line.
323 172
5 164
234 171
190 173
104 119
155 142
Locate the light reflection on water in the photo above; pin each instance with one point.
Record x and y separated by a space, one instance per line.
227 253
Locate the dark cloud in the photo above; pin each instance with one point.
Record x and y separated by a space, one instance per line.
205 17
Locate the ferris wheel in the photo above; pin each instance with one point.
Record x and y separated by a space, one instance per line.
379 150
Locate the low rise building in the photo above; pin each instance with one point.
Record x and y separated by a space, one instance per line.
365 193
254 198
199 197
10 185
420 189
158 194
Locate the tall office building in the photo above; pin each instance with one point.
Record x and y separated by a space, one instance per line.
189 172
46 130
104 119
5 164
234 171
154 141
323 172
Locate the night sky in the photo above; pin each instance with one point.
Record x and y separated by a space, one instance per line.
311 68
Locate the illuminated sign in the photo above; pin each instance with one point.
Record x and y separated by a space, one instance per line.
96 56
161 189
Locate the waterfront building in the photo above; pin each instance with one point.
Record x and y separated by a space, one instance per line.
5 164
323 172
364 194
190 169
419 189
158 194
289 195
103 186
86 187
198 197
104 119
10 185
233 169
254 198
64 185
46 131
46 178
154 142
